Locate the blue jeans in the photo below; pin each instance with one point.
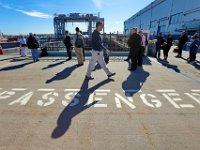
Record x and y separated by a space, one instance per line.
35 55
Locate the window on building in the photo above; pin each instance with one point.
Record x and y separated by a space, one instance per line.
153 24
177 18
163 23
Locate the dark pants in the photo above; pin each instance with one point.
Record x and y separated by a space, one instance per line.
192 56
166 51
129 57
157 54
69 53
134 54
141 55
180 50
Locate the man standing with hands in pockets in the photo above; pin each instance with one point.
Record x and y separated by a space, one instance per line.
97 53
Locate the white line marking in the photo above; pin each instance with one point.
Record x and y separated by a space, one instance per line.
100 105
118 103
172 101
192 97
23 100
177 99
101 94
71 90
187 106
18 89
174 94
134 91
98 99
46 90
163 91
195 90
102 90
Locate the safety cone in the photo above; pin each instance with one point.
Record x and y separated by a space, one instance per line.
1 50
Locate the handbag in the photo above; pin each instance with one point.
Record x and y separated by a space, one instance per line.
176 50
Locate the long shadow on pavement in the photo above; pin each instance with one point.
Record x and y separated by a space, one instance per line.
135 81
63 74
10 58
146 61
53 65
196 65
75 107
15 67
170 66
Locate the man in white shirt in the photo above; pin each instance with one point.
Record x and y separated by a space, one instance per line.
23 45
142 48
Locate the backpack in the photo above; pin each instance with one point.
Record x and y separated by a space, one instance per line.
79 41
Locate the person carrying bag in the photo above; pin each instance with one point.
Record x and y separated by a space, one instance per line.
79 47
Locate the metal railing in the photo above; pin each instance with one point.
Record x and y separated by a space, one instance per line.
116 42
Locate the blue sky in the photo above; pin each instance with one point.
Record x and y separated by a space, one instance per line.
24 16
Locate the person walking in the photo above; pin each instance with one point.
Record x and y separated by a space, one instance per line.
79 47
159 44
33 45
168 46
183 39
23 46
97 53
142 49
194 48
68 45
134 42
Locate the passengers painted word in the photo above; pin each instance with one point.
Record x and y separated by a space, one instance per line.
72 97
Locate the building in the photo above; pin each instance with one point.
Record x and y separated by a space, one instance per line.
167 16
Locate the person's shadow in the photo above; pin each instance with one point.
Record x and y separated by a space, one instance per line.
53 65
196 65
10 58
15 67
75 107
134 82
63 74
169 66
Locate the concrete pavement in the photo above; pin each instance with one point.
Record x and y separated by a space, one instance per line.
48 105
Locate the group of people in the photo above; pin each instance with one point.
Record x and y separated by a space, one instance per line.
32 42
79 44
100 52
165 45
137 43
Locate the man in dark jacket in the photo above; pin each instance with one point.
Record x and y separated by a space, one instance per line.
68 45
194 48
134 42
33 44
182 42
159 44
97 53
